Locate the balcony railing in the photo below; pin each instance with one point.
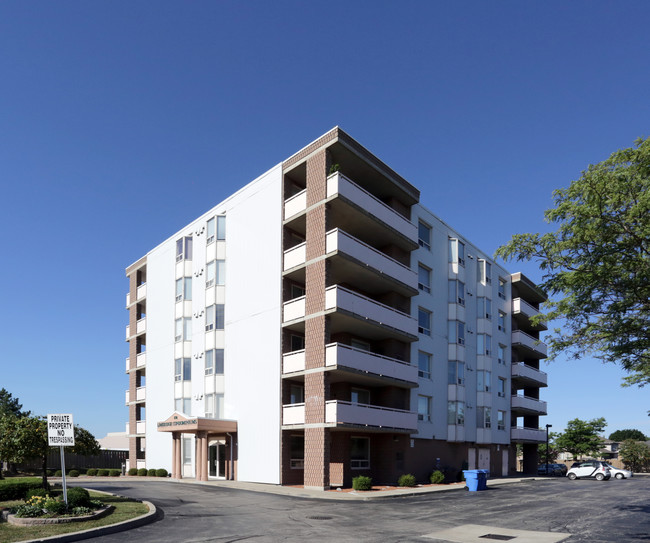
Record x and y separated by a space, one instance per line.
293 361
126 398
520 402
141 326
528 373
295 256
337 297
295 204
293 414
339 240
521 306
340 412
141 360
337 183
293 309
128 299
140 394
337 354
533 346
141 291
128 331
128 364
140 427
527 434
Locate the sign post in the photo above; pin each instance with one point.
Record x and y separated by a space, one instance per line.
60 431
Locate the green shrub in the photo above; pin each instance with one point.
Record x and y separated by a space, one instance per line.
17 488
78 497
92 472
81 511
142 472
95 504
28 511
362 482
41 492
406 480
73 473
55 506
102 472
58 473
437 477
133 471
115 472
151 472
162 472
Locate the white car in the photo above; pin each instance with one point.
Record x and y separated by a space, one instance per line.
619 473
591 468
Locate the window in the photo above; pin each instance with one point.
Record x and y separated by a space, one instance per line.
424 408
484 344
360 396
424 365
221 227
214 362
484 417
184 249
501 391
424 321
215 273
502 321
210 230
359 452
456 413
297 343
456 292
214 317
424 278
456 251
183 329
455 372
501 420
297 448
359 344
484 271
183 289
502 288
183 405
210 405
484 308
296 394
483 381
188 443
501 354
424 235
457 332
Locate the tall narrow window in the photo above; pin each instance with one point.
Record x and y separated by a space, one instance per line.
183 289
484 271
184 249
484 308
501 420
210 313
457 332
424 278
424 365
424 321
456 251
221 227
484 417
210 273
456 413
501 354
359 452
502 288
484 344
456 292
297 448
210 405
209 362
455 372
424 235
424 408
501 390
183 369
183 329
502 321
483 381
210 230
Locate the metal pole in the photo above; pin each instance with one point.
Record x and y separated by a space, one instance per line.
65 489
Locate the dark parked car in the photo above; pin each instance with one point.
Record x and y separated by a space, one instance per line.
553 469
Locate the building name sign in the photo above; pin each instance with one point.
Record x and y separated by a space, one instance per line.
177 423
60 430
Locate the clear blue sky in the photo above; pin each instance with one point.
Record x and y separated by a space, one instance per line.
120 122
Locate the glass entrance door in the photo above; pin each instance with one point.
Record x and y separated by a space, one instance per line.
217 459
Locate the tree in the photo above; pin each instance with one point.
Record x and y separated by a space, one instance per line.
10 406
25 438
635 454
622 435
596 265
553 449
581 437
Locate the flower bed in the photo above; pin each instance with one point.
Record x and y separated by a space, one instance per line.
13 519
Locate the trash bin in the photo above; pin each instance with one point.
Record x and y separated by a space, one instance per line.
471 479
482 478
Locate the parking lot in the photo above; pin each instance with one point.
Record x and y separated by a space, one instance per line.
586 510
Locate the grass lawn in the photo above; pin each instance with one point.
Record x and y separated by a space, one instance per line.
125 509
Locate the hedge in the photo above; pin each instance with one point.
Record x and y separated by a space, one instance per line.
362 483
17 488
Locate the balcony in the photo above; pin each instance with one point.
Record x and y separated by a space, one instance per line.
141 360
339 356
522 311
528 345
293 309
529 376
527 405
140 394
140 427
128 299
128 364
368 312
340 413
141 291
293 414
293 362
295 256
126 398
339 186
527 435
141 326
295 205
128 332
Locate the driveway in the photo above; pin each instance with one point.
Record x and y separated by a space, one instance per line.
589 511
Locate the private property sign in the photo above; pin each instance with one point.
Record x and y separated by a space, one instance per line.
60 430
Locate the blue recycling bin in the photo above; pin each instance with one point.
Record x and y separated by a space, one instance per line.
483 474
471 479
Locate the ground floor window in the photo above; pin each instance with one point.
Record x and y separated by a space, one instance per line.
188 443
359 453
297 448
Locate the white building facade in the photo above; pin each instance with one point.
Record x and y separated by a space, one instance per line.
321 324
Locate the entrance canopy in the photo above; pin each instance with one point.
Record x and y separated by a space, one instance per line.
180 423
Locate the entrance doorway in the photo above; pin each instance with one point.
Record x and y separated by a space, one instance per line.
217 459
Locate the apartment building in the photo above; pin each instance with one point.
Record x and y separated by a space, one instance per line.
321 324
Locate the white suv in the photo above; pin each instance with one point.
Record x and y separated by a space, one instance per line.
591 468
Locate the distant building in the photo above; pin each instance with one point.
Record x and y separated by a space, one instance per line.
320 324
114 441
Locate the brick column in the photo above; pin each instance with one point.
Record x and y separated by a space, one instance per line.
317 438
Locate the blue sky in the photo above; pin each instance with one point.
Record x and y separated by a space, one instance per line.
120 122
